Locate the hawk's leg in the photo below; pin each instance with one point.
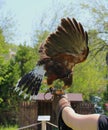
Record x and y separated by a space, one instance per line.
65 87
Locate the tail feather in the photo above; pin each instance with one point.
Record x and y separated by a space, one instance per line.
24 79
36 89
28 82
31 87
31 82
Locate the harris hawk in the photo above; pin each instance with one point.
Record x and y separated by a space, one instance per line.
59 54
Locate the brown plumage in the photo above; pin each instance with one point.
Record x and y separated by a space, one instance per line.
61 51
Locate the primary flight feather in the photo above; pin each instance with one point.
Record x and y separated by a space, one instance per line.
60 52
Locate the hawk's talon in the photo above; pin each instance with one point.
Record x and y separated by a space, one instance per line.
54 91
50 90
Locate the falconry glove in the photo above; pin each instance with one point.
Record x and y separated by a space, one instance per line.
60 102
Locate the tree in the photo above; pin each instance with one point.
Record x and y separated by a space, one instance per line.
98 26
8 24
10 71
26 58
8 77
101 46
89 78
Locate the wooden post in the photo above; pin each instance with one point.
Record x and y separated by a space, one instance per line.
44 120
43 125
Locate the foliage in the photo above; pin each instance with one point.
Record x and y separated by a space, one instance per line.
89 79
99 40
11 69
25 58
106 94
7 77
8 128
3 45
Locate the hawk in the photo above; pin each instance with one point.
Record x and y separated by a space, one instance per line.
59 54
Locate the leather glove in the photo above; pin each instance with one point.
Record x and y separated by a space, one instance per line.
59 102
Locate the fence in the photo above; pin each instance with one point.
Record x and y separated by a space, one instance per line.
43 125
29 111
84 107
27 114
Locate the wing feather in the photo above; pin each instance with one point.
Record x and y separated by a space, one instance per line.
69 39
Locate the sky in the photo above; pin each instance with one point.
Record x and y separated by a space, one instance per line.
27 12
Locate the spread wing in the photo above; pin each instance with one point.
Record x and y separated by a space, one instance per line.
64 48
68 43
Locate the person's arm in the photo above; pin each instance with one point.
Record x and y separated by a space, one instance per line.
68 118
80 121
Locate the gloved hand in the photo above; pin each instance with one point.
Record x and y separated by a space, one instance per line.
59 102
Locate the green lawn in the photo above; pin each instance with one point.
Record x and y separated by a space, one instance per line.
8 128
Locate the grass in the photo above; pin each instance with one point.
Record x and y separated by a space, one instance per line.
9 128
